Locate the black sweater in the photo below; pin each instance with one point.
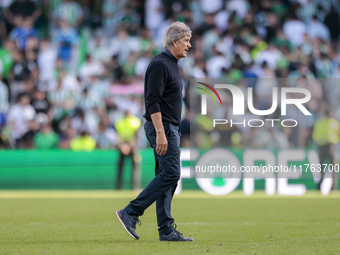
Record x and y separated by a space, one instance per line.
163 88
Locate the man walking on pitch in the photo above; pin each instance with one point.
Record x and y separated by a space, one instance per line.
163 103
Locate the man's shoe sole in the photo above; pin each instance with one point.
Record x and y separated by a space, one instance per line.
121 221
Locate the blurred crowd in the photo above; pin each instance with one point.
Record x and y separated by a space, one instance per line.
72 70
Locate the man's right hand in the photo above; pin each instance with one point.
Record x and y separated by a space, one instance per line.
161 143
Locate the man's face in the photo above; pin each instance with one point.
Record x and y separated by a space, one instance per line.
182 46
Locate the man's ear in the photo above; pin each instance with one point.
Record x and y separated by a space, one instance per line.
174 43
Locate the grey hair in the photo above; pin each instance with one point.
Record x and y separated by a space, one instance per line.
174 33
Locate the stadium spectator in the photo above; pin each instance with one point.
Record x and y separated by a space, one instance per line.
116 71
271 56
89 100
32 65
154 15
240 7
128 19
331 22
91 67
146 43
68 11
294 30
106 137
66 39
98 88
26 141
21 9
211 6
22 33
29 87
316 29
306 11
302 71
98 50
19 116
216 63
326 135
78 122
109 9
84 142
46 139
123 45
20 73
264 87
198 70
69 82
6 58
46 61
40 102
4 106
142 63
127 129
65 132
4 103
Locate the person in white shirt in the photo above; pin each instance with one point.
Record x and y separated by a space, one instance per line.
215 65
70 82
241 7
316 29
97 48
271 55
142 63
211 7
154 15
197 71
46 61
90 67
123 45
18 117
294 31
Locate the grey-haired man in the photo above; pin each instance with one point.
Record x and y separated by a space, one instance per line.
163 103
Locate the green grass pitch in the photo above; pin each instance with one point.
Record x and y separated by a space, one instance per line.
83 222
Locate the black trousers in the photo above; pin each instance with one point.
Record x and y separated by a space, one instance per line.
326 154
134 175
167 173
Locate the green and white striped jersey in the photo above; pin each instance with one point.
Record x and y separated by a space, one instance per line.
70 12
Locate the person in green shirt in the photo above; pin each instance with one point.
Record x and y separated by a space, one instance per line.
6 58
280 40
46 139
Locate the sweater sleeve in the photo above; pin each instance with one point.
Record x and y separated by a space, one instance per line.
155 87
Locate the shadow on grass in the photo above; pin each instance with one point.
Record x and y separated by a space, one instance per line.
85 241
